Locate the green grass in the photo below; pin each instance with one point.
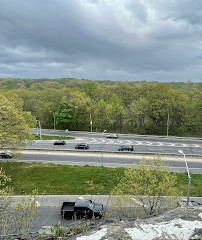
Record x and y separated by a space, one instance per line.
46 137
72 180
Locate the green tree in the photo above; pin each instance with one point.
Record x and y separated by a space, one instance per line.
161 101
64 115
117 112
14 124
136 116
147 189
15 216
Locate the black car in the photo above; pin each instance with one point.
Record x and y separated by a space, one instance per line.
126 147
60 142
6 155
82 146
112 135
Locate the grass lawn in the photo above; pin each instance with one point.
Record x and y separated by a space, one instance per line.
46 137
64 179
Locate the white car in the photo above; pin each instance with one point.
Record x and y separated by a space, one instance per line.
112 135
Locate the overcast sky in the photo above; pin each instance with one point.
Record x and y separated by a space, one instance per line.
153 40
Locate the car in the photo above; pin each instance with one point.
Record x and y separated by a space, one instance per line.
82 146
192 203
126 147
6 154
112 135
60 142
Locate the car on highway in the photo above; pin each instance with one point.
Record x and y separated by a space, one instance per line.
6 154
112 135
60 142
126 148
82 146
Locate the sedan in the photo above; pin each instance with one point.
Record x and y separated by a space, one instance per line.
82 146
126 147
112 136
60 142
6 154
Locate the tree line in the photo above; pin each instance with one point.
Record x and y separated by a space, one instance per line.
118 106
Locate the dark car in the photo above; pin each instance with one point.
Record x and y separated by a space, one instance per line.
126 147
60 142
81 208
82 146
112 135
6 154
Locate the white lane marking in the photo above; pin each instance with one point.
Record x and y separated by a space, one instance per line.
94 140
120 141
110 141
146 143
159 143
137 143
129 142
194 145
168 144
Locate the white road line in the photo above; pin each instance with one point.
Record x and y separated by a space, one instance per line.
147 143
94 140
137 143
129 142
159 143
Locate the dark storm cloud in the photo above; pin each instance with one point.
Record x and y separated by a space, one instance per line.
129 40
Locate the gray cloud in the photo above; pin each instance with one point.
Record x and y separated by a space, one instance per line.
117 40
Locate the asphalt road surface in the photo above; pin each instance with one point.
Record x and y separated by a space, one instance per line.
120 159
142 144
50 208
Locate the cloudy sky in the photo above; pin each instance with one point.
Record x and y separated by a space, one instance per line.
153 40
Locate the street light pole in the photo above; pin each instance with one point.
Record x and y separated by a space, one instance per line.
189 184
102 145
167 122
39 128
54 121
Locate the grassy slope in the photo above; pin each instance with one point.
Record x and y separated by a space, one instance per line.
64 179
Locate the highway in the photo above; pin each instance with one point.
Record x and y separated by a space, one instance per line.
120 159
142 144
104 152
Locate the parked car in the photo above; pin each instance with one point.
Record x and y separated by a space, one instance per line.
126 147
81 208
60 142
6 154
112 135
192 203
82 146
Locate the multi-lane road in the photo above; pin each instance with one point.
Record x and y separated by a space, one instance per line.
104 152
142 144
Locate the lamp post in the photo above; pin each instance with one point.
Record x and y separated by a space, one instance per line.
167 122
53 120
189 184
102 145
39 128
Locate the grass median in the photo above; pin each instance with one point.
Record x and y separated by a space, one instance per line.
74 180
47 137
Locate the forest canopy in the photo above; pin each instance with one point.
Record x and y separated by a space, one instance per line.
139 107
